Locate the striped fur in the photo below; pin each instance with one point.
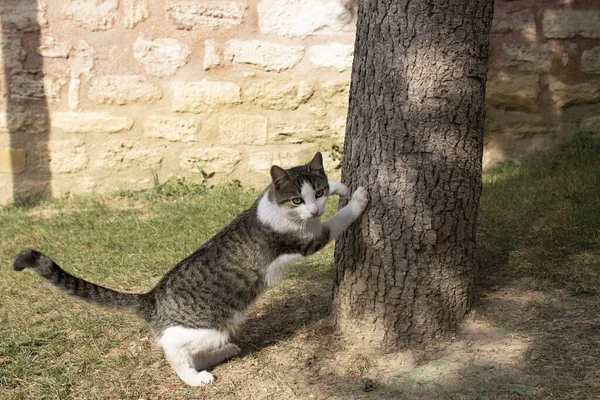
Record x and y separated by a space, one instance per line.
200 302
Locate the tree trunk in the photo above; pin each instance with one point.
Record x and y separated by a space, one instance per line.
406 272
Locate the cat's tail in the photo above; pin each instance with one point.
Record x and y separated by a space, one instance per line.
74 286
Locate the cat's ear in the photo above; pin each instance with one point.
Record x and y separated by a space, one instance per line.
278 174
316 164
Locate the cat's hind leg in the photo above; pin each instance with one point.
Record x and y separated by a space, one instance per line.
183 345
181 361
206 359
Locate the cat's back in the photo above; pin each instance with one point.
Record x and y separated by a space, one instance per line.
219 279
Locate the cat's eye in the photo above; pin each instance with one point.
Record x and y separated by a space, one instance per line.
297 200
319 193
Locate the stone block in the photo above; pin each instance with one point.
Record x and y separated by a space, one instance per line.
338 129
303 17
26 86
266 55
336 92
29 86
73 94
516 139
23 16
65 156
12 51
522 21
172 128
5 124
211 57
161 57
123 89
12 160
220 160
243 129
6 190
570 52
52 49
286 157
286 131
566 23
201 15
121 155
90 122
81 60
30 120
564 95
134 12
590 61
513 92
199 96
276 95
94 15
52 88
531 57
333 55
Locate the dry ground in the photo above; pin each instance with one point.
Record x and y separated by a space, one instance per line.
534 334
519 343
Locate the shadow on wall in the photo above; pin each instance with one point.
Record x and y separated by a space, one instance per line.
24 160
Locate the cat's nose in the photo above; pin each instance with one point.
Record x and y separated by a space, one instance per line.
314 213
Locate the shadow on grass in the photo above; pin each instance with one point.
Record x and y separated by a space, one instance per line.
301 300
542 220
539 249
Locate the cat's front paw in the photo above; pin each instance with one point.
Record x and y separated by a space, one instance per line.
359 200
338 188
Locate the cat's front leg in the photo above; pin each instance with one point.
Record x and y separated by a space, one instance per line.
338 188
342 220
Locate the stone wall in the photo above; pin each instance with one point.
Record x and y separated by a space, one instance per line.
544 79
105 94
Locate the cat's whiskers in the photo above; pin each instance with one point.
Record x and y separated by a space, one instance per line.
303 228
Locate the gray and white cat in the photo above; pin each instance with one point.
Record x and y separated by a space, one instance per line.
201 301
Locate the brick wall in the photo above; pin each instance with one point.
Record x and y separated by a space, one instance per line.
102 94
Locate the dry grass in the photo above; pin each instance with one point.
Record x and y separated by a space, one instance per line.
535 333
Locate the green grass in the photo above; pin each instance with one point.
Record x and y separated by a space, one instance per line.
123 243
540 219
51 347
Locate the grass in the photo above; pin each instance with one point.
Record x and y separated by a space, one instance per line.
539 249
542 219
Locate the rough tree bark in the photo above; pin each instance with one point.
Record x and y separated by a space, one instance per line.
406 273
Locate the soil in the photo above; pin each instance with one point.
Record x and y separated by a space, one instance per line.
520 342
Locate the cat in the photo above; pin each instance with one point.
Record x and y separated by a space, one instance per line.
201 301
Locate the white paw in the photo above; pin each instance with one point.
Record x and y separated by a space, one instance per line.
359 200
200 379
338 188
206 377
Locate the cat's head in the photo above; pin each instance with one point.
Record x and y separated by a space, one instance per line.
300 192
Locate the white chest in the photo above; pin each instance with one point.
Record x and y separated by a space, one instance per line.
276 269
